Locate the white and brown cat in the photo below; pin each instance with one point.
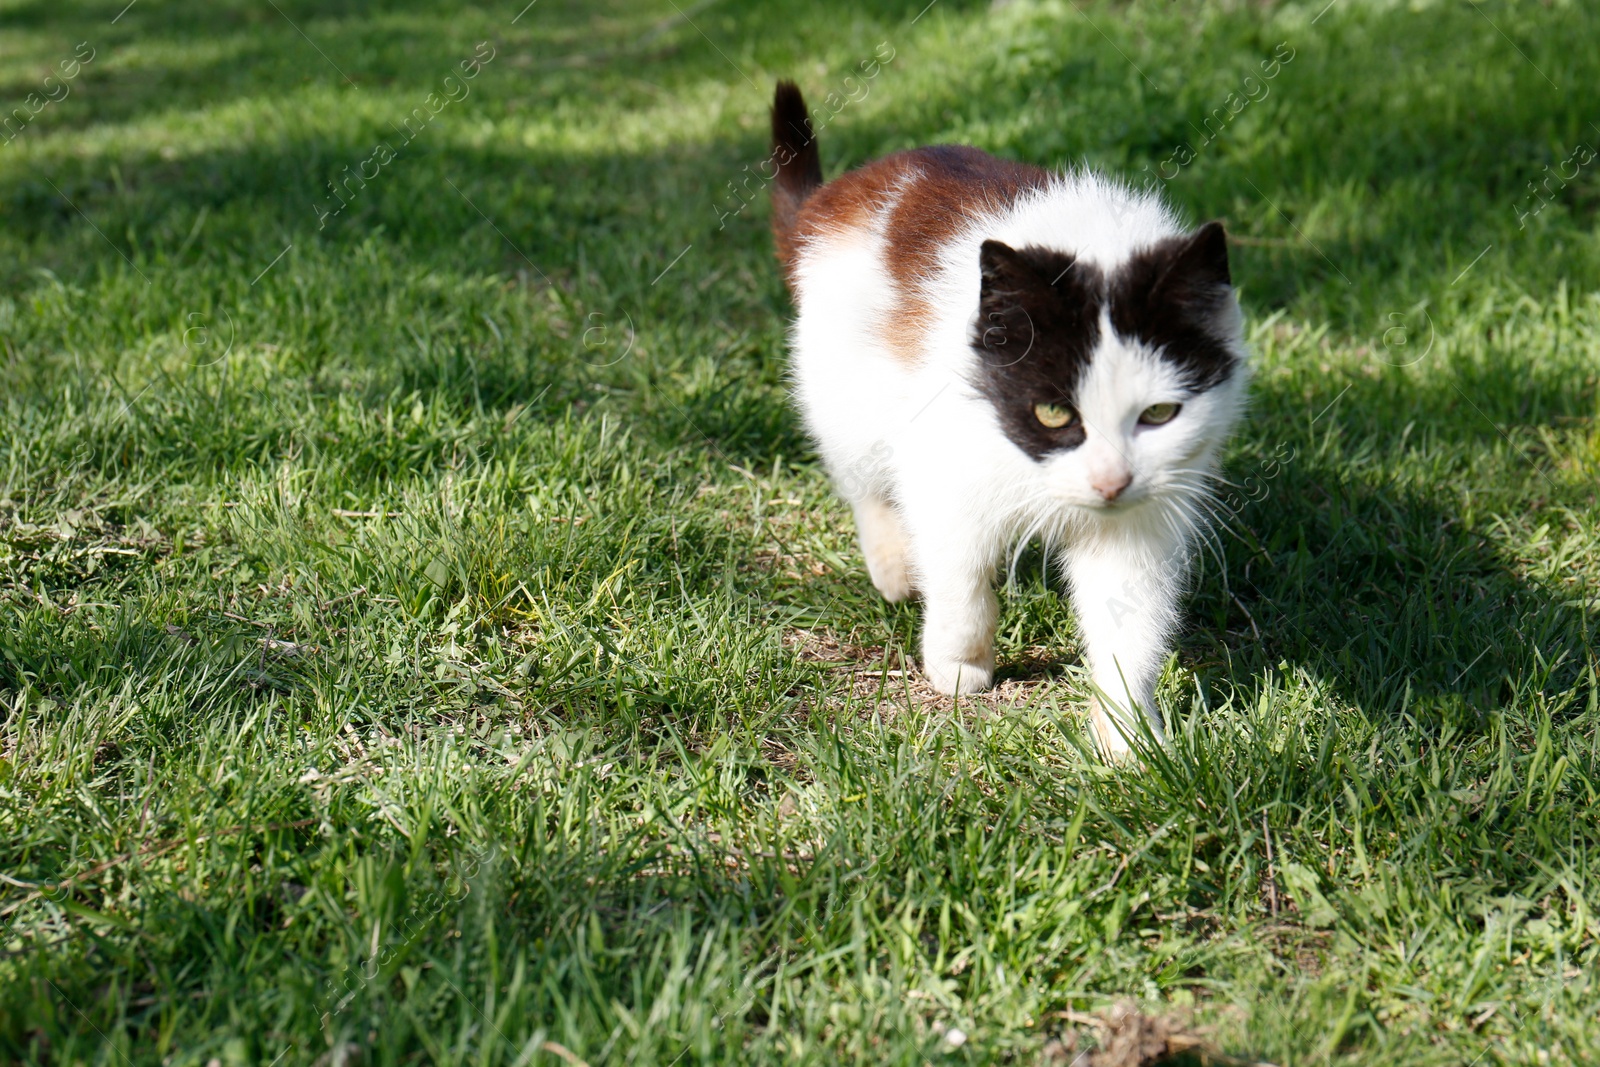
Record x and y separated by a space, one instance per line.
986 352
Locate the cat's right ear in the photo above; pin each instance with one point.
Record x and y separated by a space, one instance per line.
1198 274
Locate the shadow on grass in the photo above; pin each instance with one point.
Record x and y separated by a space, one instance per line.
1405 605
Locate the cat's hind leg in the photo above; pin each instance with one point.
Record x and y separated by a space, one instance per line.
883 542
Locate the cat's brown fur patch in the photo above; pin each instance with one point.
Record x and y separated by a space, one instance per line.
951 186
929 195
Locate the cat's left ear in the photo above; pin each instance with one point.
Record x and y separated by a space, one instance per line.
1198 273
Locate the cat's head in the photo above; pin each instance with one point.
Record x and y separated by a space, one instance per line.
1119 383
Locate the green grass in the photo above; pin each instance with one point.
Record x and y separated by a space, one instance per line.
439 644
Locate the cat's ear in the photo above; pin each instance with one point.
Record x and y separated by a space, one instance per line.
1009 277
1005 287
1197 274
1002 275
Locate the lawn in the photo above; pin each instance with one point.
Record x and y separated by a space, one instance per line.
426 635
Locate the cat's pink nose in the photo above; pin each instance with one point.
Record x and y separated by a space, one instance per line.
1111 485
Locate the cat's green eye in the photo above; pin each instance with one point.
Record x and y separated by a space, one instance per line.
1159 414
1054 416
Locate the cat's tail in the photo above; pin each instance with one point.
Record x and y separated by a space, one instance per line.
799 168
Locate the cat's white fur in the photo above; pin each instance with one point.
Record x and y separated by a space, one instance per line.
942 496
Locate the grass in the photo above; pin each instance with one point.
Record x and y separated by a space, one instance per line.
425 635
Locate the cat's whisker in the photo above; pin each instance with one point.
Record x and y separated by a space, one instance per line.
1213 543
1020 508
1045 517
1220 513
1210 476
1187 530
1205 532
1016 555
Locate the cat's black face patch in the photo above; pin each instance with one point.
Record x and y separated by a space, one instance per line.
1037 327
1039 316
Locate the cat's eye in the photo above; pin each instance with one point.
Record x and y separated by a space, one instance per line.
1054 416
1159 414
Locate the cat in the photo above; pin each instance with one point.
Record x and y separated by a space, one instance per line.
985 352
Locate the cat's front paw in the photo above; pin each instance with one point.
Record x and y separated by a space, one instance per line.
1109 733
1114 727
952 677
